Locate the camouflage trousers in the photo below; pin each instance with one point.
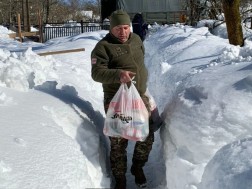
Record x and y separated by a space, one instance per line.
118 153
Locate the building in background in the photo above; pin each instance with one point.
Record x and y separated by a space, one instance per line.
160 11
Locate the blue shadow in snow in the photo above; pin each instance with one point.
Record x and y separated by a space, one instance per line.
249 67
244 84
69 95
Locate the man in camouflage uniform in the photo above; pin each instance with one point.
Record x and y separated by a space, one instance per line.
116 59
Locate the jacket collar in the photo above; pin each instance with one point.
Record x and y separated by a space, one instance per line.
116 40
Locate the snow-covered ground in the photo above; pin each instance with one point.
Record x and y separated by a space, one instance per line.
52 113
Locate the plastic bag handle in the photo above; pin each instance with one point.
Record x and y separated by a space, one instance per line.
134 82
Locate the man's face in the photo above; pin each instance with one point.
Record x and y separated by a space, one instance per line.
121 32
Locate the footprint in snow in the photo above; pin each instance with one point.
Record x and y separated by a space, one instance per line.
20 141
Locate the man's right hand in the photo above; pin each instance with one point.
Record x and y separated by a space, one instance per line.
126 76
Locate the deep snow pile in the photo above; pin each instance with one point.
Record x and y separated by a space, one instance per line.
52 113
204 86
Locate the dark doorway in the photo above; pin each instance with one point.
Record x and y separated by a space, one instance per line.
107 7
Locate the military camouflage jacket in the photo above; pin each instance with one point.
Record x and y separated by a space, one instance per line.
110 57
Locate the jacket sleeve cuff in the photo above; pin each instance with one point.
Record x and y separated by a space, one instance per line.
118 75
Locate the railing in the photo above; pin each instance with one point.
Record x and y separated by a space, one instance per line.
51 31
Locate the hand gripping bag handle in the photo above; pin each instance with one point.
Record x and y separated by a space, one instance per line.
127 115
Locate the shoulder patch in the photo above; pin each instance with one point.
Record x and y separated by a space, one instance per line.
93 60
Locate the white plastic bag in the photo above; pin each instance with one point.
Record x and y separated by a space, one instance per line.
152 101
155 120
127 115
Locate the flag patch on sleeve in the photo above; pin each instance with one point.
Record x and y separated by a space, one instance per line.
93 60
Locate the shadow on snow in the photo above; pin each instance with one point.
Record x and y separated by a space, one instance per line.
69 95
